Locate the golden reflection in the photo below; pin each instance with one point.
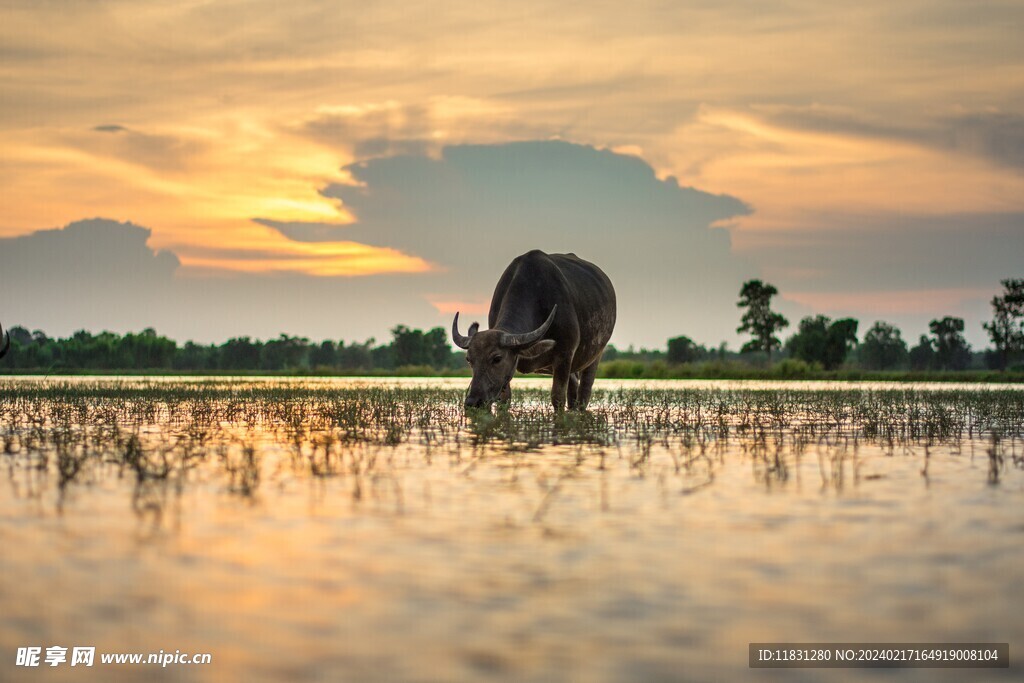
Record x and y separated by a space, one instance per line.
380 531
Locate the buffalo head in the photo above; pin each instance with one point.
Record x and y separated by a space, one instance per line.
5 342
493 354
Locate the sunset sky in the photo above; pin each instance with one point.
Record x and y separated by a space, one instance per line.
330 169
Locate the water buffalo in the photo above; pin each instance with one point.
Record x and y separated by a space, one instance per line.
7 341
550 313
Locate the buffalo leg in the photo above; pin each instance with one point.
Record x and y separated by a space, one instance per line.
505 397
572 393
560 385
587 376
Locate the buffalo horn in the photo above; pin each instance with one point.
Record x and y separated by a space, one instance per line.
460 341
510 340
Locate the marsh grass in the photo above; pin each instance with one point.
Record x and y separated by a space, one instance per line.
163 434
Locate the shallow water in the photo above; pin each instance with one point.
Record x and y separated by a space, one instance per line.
539 555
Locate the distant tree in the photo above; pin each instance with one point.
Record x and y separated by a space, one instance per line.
193 356
406 346
324 355
356 356
842 339
20 336
145 350
438 352
99 352
284 353
922 356
240 353
883 347
1007 327
952 352
808 344
682 350
383 357
819 340
643 355
760 321
415 347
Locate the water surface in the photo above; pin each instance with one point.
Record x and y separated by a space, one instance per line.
296 531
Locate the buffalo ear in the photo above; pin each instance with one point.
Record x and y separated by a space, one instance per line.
534 350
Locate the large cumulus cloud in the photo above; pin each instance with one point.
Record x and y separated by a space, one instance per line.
476 207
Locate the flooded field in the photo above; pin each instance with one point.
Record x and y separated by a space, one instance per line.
347 530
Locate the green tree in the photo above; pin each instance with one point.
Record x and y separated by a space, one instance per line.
406 346
83 350
284 353
1007 327
193 356
682 350
883 347
20 336
922 356
952 352
356 356
240 353
415 347
325 355
146 350
383 357
819 340
842 339
808 344
437 348
760 321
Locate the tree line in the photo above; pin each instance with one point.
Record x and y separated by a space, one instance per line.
828 343
818 342
409 350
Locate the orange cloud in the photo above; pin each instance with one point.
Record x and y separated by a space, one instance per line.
793 176
324 259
